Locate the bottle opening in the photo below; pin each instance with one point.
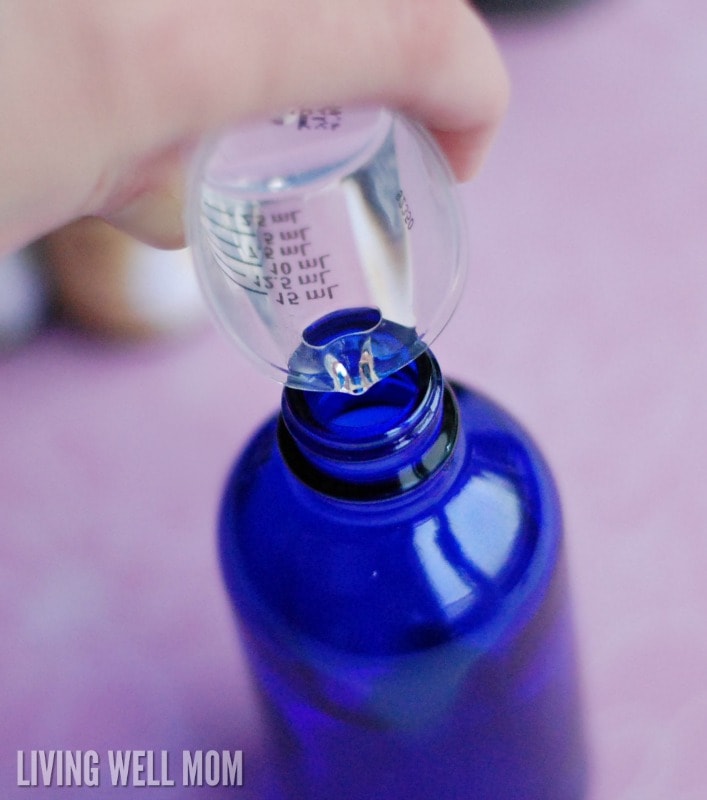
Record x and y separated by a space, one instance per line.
372 445
386 405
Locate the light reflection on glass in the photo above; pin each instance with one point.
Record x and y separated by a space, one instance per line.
489 506
445 580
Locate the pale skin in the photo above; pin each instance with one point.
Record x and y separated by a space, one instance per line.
101 100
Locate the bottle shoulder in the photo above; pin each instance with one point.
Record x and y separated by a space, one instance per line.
405 573
492 448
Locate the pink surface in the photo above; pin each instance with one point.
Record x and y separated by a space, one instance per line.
585 314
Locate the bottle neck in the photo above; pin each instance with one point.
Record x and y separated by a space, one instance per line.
372 446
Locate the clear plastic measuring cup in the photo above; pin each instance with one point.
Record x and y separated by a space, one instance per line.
328 242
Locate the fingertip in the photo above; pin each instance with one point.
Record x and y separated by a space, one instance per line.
462 87
465 152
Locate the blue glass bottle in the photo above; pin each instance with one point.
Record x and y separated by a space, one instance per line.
395 562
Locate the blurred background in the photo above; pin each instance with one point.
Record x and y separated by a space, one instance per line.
585 314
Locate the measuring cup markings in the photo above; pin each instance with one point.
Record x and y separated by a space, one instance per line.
314 216
326 118
290 240
248 242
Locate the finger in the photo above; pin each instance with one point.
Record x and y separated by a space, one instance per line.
435 60
152 207
116 85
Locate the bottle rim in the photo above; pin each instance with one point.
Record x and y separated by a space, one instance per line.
407 442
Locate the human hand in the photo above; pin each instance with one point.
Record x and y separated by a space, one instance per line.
101 102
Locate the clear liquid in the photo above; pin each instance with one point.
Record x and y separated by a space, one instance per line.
351 350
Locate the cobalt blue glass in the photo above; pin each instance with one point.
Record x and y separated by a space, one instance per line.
395 562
